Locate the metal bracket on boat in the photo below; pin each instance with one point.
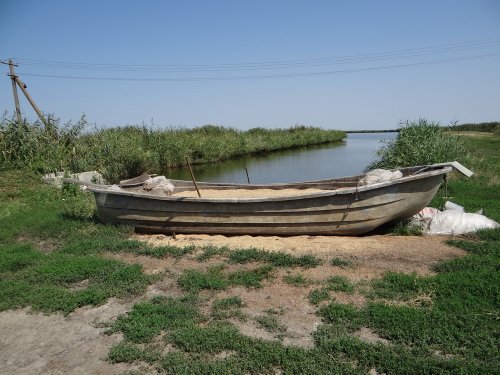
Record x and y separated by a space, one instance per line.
455 164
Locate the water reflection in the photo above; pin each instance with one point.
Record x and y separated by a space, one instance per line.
309 163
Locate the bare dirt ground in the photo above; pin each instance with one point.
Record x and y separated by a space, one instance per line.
54 344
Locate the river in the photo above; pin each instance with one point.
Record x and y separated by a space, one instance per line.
345 158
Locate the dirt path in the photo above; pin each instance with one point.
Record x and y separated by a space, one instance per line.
53 344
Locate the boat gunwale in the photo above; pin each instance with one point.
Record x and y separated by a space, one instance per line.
327 193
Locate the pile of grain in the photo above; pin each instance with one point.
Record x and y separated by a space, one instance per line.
247 193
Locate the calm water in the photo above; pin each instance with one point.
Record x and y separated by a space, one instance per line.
310 163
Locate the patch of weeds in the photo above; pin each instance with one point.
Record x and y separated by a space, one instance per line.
193 281
77 205
213 338
296 280
342 263
211 251
405 228
339 284
317 296
214 279
400 286
228 303
228 307
147 319
347 315
270 323
128 352
164 251
277 259
250 278
46 281
333 283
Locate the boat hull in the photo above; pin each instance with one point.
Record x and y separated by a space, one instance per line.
345 211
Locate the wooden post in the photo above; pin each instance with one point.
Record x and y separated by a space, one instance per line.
22 86
14 91
192 177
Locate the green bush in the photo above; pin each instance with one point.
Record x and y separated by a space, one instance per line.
420 143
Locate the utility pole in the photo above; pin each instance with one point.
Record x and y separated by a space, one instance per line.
17 82
22 86
14 89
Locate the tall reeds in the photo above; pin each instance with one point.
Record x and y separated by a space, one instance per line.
420 143
128 151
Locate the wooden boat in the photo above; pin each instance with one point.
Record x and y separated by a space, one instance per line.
340 207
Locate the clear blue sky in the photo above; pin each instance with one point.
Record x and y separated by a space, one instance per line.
288 62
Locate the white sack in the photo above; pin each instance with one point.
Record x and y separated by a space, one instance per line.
453 220
159 185
456 222
379 175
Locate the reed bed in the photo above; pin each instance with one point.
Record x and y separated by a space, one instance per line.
420 143
124 152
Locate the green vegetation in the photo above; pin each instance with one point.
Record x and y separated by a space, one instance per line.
420 143
126 152
332 284
228 307
194 281
210 252
47 261
277 259
270 323
490 127
406 228
342 263
319 295
296 280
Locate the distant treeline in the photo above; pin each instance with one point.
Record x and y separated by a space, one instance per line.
372 131
125 152
482 127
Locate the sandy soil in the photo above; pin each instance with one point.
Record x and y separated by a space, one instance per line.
246 193
373 255
53 344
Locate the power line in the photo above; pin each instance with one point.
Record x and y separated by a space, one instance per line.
269 65
266 76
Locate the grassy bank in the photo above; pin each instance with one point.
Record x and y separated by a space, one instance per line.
129 151
486 127
52 260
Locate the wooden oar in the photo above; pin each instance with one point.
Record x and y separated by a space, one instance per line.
192 177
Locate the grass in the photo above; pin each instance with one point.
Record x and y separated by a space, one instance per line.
270 323
48 262
51 260
277 259
332 284
296 280
228 307
210 252
341 263
193 281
